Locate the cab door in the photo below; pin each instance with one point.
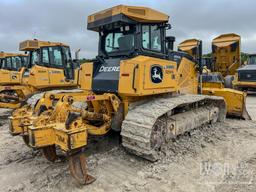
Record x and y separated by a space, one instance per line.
38 74
56 68
69 70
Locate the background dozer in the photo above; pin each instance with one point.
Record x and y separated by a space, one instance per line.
137 85
213 83
12 66
245 78
49 67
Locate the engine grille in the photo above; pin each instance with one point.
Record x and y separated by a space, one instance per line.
249 75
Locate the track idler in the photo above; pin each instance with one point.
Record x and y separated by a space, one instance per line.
78 169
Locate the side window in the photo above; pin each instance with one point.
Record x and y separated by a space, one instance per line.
112 42
8 63
155 38
151 37
45 56
68 58
25 61
34 58
145 36
55 56
16 62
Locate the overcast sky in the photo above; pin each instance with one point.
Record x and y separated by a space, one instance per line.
65 21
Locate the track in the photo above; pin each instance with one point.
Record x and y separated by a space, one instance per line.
146 128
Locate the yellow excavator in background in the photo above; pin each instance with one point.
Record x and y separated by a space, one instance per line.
12 66
137 85
49 67
213 82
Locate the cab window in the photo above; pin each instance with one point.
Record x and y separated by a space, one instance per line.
16 62
55 56
8 63
45 56
119 41
24 61
34 58
151 38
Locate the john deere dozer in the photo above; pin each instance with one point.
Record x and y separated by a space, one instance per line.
12 66
137 85
213 82
49 67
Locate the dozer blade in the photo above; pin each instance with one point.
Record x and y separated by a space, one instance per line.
78 169
50 153
235 100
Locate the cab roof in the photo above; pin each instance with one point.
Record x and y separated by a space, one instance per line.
124 13
30 45
4 55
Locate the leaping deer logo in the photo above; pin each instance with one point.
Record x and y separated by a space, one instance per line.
156 74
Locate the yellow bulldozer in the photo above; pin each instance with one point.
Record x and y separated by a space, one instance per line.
137 85
213 83
49 67
12 66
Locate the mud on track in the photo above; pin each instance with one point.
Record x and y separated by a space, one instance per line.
213 158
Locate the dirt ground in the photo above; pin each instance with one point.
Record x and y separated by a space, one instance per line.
212 159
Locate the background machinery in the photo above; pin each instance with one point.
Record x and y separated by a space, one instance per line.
245 78
213 82
49 67
226 54
137 85
12 66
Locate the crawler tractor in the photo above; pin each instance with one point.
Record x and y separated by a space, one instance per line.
137 85
12 66
49 67
213 82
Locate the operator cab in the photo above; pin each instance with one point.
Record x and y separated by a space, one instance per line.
126 32
12 62
128 38
49 56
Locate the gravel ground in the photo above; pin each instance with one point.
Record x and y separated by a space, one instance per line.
219 158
